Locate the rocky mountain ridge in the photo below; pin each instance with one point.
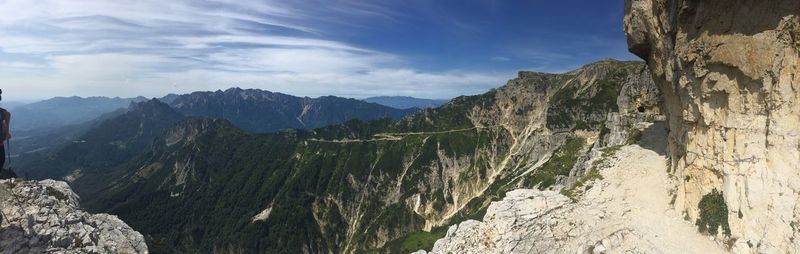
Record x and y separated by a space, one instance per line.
264 111
39 217
54 123
101 143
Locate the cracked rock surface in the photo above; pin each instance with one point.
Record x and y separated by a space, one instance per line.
729 74
44 217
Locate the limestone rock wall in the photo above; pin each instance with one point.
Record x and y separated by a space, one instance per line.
730 77
43 217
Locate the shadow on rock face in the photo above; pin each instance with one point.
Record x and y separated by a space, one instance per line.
654 138
13 239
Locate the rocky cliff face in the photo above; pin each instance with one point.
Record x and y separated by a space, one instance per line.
728 71
39 217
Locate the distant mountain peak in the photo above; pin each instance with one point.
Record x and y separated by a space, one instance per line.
527 74
149 105
264 111
154 109
63 111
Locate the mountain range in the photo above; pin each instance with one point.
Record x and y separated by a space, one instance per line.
192 179
63 111
49 123
44 124
263 111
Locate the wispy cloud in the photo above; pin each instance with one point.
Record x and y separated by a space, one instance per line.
151 48
500 59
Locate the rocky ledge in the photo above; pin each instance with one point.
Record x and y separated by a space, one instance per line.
44 217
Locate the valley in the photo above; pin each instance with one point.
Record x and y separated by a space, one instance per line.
353 187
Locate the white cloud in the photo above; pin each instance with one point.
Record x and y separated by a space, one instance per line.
127 75
20 65
124 48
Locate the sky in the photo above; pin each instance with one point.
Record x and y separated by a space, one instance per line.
349 48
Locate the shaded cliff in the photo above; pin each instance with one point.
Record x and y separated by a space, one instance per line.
728 71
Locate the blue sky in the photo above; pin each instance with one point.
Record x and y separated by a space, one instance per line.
422 48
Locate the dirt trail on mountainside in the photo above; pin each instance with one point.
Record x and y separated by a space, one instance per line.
627 211
638 182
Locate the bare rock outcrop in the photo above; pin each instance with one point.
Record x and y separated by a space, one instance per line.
43 217
729 74
624 211
500 229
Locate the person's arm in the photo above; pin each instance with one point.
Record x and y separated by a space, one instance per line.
7 123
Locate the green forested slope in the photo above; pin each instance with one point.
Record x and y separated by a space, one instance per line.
203 185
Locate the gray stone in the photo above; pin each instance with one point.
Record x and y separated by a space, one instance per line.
44 216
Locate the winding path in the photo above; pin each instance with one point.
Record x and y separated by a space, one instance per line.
398 136
638 182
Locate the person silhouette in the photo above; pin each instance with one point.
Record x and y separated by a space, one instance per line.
5 118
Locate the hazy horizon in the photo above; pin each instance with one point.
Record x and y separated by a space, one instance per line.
18 101
349 49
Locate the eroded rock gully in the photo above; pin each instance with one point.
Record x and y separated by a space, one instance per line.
730 77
